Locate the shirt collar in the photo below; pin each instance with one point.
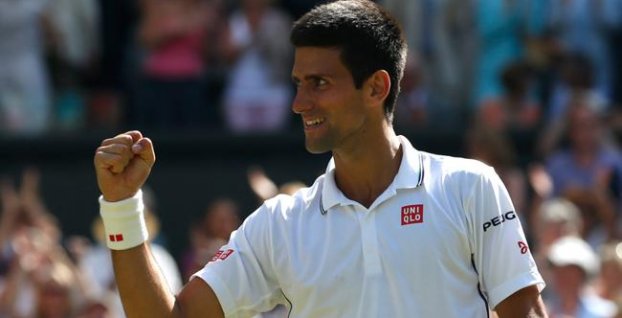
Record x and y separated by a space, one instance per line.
409 175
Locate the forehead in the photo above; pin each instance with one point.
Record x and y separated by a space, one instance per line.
318 60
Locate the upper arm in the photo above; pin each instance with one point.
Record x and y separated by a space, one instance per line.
197 299
501 255
523 303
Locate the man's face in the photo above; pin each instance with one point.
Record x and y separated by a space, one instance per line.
332 109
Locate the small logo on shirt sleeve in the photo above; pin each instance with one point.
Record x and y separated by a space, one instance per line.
497 220
523 247
412 214
222 255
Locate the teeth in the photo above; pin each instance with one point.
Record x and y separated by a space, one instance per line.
314 122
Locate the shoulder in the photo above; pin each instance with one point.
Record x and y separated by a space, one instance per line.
283 208
455 169
459 179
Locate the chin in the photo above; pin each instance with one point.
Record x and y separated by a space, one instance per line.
316 148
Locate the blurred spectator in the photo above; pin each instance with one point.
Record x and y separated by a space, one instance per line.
58 292
117 22
40 280
574 263
74 46
598 215
171 83
443 35
515 110
107 104
211 232
96 263
579 27
588 170
575 82
258 91
412 109
503 27
553 219
24 91
23 210
264 188
609 284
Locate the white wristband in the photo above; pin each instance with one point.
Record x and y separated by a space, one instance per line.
124 222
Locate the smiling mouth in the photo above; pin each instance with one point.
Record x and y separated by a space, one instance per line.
313 122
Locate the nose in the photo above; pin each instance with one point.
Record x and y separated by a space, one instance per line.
301 102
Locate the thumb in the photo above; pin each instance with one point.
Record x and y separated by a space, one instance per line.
143 148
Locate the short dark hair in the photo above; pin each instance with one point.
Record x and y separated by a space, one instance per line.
369 38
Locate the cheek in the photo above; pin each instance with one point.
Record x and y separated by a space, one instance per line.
351 110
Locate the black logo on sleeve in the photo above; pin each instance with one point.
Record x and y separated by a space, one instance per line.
511 215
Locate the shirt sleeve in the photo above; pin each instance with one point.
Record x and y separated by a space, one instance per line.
501 254
241 274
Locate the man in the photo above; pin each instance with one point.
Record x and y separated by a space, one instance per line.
388 231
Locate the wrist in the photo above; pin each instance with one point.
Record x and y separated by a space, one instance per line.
112 198
124 222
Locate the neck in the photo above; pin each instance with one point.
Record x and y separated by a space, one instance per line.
364 172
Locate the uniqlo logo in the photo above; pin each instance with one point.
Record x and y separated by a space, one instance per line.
412 214
221 255
115 237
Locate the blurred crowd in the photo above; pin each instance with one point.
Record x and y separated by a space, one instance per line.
45 274
75 65
534 86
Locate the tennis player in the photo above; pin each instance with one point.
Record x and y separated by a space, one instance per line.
387 231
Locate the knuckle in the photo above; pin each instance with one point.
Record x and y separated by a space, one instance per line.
126 139
122 138
121 148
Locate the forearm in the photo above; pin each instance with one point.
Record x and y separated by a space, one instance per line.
122 165
144 291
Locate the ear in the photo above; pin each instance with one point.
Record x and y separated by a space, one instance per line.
378 86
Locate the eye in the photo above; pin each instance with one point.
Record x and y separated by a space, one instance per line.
320 82
296 82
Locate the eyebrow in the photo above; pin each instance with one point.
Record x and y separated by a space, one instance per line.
310 77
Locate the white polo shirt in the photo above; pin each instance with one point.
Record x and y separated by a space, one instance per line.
443 240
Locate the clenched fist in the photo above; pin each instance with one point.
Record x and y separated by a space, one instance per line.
122 165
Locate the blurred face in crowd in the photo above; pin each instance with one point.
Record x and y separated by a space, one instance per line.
332 109
584 128
568 280
222 219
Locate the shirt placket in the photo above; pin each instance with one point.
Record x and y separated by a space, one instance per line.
369 236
